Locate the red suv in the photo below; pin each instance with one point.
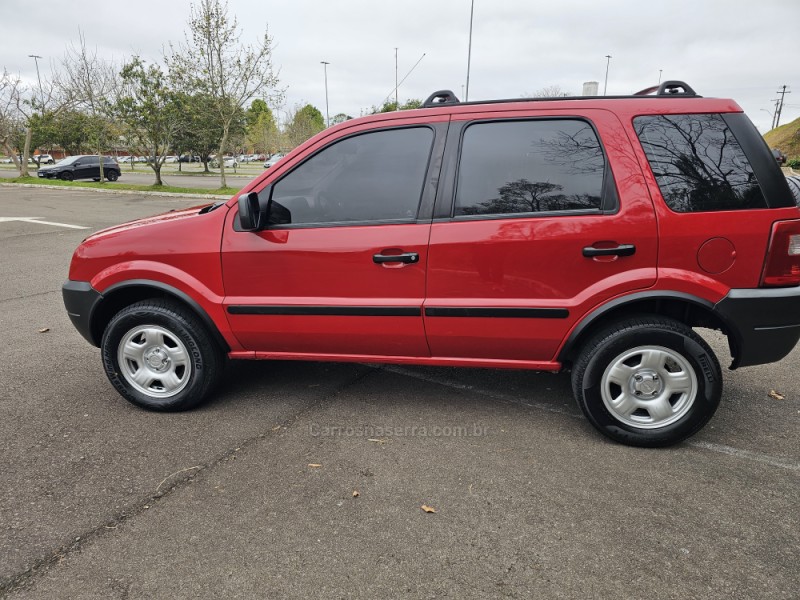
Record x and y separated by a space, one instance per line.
590 234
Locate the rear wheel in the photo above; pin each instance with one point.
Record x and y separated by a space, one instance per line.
66 176
112 176
648 381
159 356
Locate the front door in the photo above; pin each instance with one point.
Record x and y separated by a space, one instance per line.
343 273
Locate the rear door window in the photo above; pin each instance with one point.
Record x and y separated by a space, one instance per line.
698 163
521 167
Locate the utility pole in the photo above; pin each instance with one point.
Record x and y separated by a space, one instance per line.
779 108
327 114
396 85
469 48
608 63
659 76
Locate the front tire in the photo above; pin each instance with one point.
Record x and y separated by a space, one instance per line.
159 356
648 381
66 176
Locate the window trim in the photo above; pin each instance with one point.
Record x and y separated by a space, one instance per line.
609 201
436 148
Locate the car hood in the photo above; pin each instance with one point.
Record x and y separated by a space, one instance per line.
173 215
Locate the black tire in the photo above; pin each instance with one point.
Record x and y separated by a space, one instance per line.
112 176
794 185
184 363
66 176
686 388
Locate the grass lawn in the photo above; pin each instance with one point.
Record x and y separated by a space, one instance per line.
228 191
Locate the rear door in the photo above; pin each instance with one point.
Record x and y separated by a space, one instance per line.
541 217
344 272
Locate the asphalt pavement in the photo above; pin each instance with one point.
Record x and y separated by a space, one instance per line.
308 479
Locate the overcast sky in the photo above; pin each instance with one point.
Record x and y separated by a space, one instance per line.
740 49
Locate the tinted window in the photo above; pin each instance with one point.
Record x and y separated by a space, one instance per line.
698 163
370 177
529 167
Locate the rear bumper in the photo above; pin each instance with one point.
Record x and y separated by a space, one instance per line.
764 324
80 300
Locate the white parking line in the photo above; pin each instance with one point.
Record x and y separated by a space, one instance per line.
40 222
758 457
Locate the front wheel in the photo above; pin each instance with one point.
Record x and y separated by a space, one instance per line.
66 176
648 381
159 356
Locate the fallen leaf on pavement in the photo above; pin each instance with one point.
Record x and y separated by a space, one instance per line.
428 509
314 465
356 494
44 330
776 396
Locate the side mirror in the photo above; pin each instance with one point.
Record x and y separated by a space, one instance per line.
250 214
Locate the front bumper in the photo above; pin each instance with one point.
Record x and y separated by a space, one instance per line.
764 323
80 300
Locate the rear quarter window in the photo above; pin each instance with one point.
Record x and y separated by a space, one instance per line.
698 163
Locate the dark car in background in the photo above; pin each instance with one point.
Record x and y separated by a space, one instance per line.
82 167
780 157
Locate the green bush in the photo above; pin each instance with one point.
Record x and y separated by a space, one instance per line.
794 163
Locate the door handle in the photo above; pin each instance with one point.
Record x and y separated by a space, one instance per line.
408 258
621 250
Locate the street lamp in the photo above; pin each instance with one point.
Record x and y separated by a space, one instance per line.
327 114
659 76
608 63
469 48
36 58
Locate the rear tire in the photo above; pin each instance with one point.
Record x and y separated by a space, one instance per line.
112 176
648 381
159 356
794 185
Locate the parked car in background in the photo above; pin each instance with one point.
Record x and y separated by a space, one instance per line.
273 160
81 167
230 162
170 159
44 159
780 157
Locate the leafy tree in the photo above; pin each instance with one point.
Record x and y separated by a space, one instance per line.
263 134
392 106
150 110
212 61
306 122
340 118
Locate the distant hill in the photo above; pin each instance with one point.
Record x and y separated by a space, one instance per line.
786 138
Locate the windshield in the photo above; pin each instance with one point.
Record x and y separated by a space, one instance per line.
68 161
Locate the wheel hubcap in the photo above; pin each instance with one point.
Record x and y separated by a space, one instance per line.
154 361
649 387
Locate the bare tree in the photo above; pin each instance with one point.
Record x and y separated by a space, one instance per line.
550 91
11 120
213 61
89 83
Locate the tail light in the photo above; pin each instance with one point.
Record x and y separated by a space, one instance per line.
782 267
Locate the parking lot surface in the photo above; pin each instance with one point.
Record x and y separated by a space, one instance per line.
307 479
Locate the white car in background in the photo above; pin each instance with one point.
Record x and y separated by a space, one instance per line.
272 160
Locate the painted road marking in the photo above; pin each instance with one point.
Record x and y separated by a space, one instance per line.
40 222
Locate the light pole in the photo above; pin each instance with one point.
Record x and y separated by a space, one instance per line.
396 85
36 58
469 48
659 76
608 63
327 114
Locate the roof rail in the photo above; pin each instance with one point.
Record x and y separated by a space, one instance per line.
440 97
669 88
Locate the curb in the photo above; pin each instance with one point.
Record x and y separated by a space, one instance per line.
128 192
